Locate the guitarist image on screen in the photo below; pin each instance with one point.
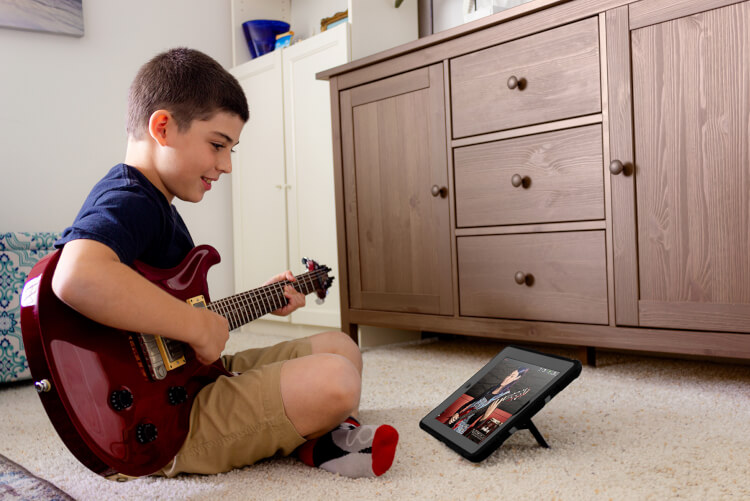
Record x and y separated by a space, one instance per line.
468 415
301 397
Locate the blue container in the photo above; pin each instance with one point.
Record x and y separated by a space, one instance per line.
261 35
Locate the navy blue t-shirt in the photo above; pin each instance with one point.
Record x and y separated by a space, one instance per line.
127 213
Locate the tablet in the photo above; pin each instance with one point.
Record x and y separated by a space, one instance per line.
499 400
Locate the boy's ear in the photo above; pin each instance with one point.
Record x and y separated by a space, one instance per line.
158 124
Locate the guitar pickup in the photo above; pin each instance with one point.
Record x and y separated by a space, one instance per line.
163 354
171 352
197 301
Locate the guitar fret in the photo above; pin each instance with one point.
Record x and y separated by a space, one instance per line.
282 300
249 306
215 307
232 317
246 307
255 301
241 312
272 299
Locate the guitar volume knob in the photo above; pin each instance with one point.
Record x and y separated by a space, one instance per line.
146 433
177 395
120 399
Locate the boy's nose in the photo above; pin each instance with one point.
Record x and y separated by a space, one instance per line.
225 166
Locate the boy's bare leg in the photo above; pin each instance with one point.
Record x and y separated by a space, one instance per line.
319 392
321 395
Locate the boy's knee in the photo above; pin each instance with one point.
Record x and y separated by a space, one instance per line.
342 381
338 343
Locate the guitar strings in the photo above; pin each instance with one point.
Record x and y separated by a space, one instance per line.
242 308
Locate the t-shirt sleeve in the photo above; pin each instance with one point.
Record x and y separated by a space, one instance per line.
124 220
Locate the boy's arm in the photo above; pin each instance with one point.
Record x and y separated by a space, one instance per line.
91 279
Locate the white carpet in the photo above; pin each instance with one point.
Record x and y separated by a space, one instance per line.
632 428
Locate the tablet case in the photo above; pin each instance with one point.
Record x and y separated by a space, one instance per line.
569 369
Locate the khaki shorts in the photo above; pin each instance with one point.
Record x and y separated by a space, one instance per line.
237 421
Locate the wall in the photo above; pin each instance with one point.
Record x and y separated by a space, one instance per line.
446 14
449 13
62 112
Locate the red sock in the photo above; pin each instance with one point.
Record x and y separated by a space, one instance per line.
352 450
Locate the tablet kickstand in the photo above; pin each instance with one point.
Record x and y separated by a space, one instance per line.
534 431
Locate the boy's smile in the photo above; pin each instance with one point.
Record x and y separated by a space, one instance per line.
207 182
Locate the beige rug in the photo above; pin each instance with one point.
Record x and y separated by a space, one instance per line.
632 428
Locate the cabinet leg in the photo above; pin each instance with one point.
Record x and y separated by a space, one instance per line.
353 331
587 355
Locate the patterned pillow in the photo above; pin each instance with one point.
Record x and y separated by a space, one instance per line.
19 252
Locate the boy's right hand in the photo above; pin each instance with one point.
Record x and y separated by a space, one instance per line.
210 334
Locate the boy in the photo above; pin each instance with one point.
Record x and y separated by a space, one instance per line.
185 114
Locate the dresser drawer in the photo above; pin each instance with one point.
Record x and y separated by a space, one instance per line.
558 71
551 177
563 276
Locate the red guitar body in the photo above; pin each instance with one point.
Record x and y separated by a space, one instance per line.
109 412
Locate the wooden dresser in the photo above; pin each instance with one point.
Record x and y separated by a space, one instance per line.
567 172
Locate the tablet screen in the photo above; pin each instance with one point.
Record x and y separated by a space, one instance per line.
493 399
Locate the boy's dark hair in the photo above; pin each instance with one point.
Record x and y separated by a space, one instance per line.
187 83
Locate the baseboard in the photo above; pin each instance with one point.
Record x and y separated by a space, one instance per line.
370 336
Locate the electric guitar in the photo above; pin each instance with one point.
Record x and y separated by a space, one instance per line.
121 401
456 416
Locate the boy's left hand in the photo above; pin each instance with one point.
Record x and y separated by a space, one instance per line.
296 299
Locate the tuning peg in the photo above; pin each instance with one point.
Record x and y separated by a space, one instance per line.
320 301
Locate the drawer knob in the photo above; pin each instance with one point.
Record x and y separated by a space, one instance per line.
516 83
439 191
517 181
524 278
616 167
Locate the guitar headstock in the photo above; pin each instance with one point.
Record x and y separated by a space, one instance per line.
319 276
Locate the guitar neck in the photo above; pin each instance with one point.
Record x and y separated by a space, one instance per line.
245 307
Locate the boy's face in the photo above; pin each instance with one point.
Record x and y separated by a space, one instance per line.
194 159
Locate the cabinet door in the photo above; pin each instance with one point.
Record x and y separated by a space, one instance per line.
258 178
309 162
394 159
691 123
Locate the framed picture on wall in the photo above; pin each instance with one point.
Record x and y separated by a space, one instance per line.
64 17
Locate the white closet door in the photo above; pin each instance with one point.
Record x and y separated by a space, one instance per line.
259 187
309 162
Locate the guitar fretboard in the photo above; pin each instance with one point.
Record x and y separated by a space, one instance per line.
247 306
